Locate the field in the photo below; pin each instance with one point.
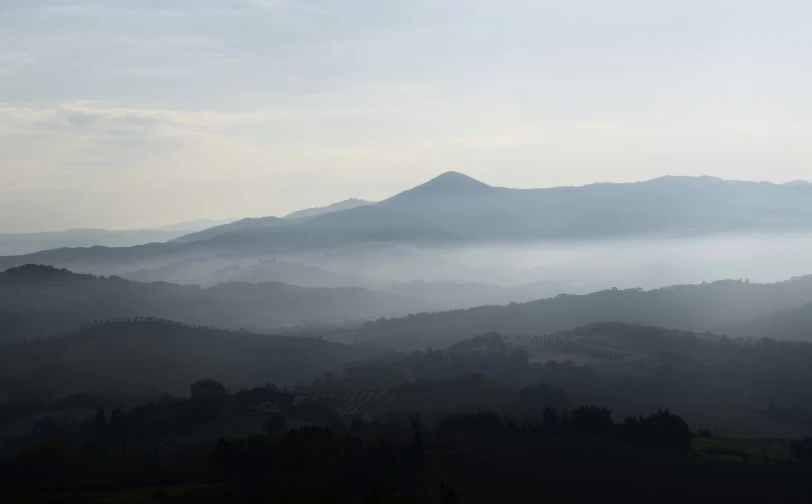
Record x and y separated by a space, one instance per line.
744 450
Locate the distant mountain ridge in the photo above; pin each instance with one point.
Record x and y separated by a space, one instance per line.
335 207
456 210
27 243
237 226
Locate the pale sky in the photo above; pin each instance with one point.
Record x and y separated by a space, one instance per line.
131 113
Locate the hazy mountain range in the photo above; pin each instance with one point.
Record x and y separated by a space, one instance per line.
27 243
335 207
455 230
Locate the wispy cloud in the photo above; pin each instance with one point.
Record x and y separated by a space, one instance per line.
17 58
95 116
165 40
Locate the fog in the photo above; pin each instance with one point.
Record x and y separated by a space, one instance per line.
583 266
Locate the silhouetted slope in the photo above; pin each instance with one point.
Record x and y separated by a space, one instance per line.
157 356
240 225
52 301
690 307
455 209
29 243
335 207
219 269
793 324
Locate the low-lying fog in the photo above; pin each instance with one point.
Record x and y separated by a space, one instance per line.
584 267
508 273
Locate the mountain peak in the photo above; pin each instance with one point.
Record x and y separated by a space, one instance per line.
455 179
449 184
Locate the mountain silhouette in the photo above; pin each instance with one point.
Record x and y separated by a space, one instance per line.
455 209
335 207
240 225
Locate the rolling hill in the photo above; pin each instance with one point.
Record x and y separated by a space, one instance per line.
794 324
687 307
154 356
42 301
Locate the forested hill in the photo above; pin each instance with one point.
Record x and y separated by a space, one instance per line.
689 307
42 301
794 324
151 356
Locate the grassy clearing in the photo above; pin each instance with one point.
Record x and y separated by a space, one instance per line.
750 450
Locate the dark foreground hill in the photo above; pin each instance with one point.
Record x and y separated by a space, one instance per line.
42 301
152 356
701 308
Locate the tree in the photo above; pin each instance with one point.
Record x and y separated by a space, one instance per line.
275 425
208 388
414 421
100 423
661 429
119 428
551 420
448 495
533 400
591 421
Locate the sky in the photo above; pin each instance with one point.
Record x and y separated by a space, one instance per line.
137 113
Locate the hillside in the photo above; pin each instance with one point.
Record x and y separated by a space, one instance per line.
42 301
793 324
688 307
740 387
223 269
152 356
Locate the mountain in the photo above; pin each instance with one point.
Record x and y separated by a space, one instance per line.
687 308
27 243
335 207
196 225
42 301
456 210
237 226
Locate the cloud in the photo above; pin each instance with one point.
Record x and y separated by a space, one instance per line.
163 40
87 116
17 58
